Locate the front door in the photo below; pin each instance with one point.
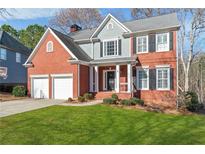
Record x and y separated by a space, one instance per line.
111 80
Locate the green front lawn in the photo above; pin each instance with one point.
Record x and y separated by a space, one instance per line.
100 124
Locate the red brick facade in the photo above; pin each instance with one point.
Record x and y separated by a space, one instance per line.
56 62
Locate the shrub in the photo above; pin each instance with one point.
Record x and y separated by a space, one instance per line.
126 102
114 96
191 101
70 99
19 91
135 101
88 96
109 100
81 99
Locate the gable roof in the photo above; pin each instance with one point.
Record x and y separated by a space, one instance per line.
71 45
151 23
8 42
104 22
67 42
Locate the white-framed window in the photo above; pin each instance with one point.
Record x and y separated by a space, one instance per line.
142 44
18 57
49 46
110 26
162 42
110 47
163 78
3 54
142 78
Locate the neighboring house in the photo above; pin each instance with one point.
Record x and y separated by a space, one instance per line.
13 55
135 58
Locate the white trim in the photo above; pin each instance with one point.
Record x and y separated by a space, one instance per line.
41 40
91 78
157 29
49 42
115 20
168 75
79 62
129 78
61 75
162 66
39 76
147 41
108 40
96 79
109 25
78 79
117 76
156 43
105 77
142 69
46 76
37 46
54 76
72 55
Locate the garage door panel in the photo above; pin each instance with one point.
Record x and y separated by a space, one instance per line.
40 88
63 87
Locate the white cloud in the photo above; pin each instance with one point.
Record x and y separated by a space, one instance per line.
29 13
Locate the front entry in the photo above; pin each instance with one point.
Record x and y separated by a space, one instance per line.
109 80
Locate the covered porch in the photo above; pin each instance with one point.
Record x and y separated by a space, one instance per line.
111 76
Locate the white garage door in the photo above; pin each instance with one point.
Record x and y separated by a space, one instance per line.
63 87
40 88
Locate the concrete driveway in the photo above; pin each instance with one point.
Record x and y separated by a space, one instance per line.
18 106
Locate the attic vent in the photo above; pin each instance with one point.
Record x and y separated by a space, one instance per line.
110 26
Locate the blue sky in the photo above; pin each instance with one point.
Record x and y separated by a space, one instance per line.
21 18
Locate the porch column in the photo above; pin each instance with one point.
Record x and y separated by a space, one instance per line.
96 79
117 78
129 78
91 78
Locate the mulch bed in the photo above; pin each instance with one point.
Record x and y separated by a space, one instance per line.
8 97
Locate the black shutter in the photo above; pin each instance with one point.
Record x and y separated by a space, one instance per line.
152 43
119 47
134 45
171 78
170 40
152 79
101 49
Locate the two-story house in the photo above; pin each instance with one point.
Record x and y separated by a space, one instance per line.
135 58
13 55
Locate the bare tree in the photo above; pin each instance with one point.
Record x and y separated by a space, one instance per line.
84 17
190 36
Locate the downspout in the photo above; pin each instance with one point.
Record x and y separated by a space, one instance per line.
131 54
177 103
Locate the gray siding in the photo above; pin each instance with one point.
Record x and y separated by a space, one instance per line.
17 73
105 34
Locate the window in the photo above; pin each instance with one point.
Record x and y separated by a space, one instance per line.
50 46
162 42
3 54
142 44
163 78
110 48
143 79
18 57
110 26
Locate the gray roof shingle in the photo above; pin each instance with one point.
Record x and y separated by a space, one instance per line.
8 42
71 45
151 23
